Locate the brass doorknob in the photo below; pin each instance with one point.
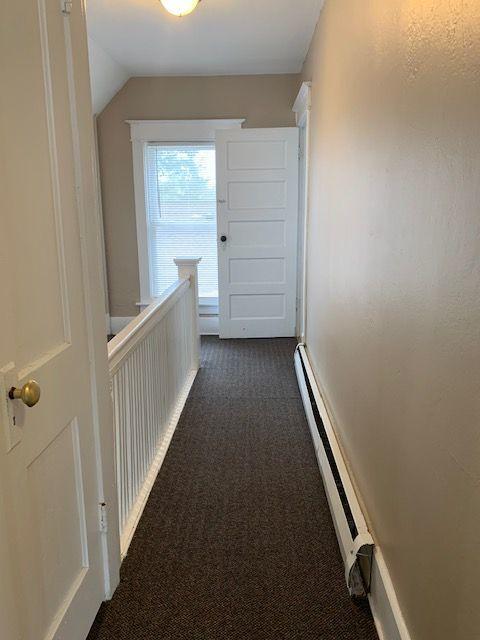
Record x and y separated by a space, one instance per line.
29 394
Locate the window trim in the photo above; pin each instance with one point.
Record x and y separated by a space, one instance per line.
143 132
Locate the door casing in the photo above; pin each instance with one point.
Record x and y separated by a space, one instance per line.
301 108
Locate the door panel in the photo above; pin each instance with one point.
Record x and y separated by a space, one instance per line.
256 233
257 190
261 194
48 470
50 482
257 305
253 154
257 270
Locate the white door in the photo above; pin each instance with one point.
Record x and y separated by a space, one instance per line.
257 210
49 479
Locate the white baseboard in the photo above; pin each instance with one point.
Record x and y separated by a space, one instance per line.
386 612
119 322
209 325
164 443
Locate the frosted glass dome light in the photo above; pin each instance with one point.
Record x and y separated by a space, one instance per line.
180 7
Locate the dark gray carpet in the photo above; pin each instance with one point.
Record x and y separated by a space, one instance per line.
236 541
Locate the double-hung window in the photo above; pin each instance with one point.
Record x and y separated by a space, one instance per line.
180 199
175 202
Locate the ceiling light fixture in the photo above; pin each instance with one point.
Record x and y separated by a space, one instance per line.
180 7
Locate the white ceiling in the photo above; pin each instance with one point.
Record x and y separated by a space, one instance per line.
219 37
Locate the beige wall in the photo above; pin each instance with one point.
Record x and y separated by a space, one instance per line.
393 322
265 101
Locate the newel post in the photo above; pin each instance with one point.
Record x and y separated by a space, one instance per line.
188 269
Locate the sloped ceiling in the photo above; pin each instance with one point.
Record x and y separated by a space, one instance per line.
219 37
107 76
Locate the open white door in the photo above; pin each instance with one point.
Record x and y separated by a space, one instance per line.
52 547
257 191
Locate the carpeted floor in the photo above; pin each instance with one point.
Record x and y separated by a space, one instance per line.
236 541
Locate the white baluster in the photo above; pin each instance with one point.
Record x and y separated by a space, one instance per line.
152 362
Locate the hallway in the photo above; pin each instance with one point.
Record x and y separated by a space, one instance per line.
236 541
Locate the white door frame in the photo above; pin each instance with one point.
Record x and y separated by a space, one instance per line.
302 109
83 138
101 226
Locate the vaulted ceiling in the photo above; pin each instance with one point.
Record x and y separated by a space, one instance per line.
219 37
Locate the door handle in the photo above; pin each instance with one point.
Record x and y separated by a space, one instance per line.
223 238
29 394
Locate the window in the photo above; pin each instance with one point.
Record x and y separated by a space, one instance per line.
164 152
181 212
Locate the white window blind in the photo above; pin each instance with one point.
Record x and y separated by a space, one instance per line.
181 212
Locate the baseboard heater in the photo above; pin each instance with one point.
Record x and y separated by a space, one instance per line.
356 543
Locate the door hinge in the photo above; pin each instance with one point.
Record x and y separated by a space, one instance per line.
66 7
102 511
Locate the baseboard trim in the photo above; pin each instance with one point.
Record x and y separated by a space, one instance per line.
386 612
209 325
164 443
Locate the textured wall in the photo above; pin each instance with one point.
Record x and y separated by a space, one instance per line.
265 101
393 323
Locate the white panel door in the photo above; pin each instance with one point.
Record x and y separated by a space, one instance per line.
51 560
257 210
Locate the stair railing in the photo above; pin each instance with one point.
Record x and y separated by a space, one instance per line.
153 362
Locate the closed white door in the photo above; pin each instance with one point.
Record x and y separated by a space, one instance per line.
257 210
51 557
